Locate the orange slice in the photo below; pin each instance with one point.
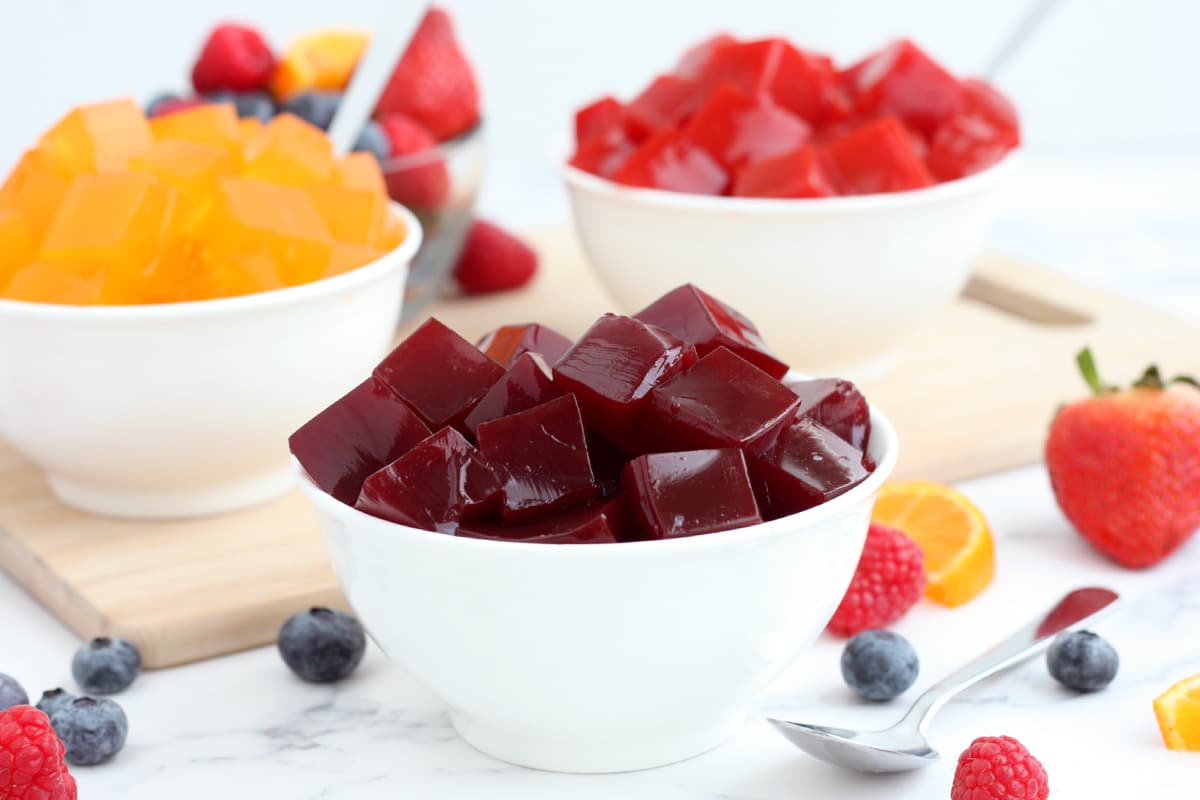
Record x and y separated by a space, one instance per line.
1178 712
951 531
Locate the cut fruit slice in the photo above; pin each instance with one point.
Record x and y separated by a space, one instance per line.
951 531
1178 712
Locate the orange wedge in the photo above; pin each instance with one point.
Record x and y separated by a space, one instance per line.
1178 712
952 532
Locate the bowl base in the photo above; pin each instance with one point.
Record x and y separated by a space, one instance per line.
597 751
112 501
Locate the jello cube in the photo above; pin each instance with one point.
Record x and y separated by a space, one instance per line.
612 369
602 522
210 275
903 81
670 161
668 101
98 138
360 433
189 167
701 320
800 173
976 136
527 383
838 405
345 257
689 493
506 344
803 83
596 118
542 454
807 465
55 282
439 483
604 154
439 374
353 216
16 244
248 129
290 151
737 128
696 57
359 171
877 157
35 188
721 401
215 124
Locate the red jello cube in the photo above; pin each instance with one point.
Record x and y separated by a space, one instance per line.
803 83
737 128
527 383
721 401
604 154
612 370
437 484
976 136
669 160
596 118
506 344
439 374
361 432
903 81
602 522
800 173
542 455
665 103
699 319
877 157
836 404
695 58
685 494
807 465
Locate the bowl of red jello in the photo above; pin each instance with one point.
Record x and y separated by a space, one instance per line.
838 208
597 552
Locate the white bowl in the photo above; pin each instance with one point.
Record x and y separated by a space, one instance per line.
607 657
182 409
835 284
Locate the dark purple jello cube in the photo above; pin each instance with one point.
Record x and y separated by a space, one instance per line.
838 405
527 383
689 493
364 430
807 465
705 322
506 344
612 370
542 457
437 484
720 401
602 522
439 374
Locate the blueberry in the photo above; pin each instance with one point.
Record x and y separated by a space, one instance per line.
1082 661
374 141
879 665
92 731
11 693
159 99
53 700
322 645
106 665
247 104
315 107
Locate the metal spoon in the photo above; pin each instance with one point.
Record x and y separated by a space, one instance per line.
904 746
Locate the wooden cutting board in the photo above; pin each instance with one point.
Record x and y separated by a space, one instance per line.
972 394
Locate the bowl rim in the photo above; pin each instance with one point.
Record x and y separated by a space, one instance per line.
396 258
797 523
575 177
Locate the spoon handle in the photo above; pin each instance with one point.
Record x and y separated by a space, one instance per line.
1077 608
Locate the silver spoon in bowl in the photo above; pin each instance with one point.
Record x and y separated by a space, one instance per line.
904 746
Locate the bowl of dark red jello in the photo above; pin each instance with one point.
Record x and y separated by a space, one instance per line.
596 552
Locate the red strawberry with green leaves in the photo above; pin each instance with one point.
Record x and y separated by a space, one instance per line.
1125 465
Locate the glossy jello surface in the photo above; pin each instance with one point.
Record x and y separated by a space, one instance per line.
527 383
603 522
807 465
689 493
838 405
507 343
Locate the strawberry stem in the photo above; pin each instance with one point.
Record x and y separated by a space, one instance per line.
1188 379
1087 366
1151 379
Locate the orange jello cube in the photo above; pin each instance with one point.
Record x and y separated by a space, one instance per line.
322 60
290 151
215 124
359 171
354 216
248 130
97 138
16 244
35 188
189 167
230 276
55 282
393 233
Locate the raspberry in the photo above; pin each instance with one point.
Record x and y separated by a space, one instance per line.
493 260
31 758
999 768
888 582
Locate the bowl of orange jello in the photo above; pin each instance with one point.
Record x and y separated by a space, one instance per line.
178 294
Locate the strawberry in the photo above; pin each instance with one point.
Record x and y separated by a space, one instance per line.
235 58
1125 465
493 260
415 172
433 83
